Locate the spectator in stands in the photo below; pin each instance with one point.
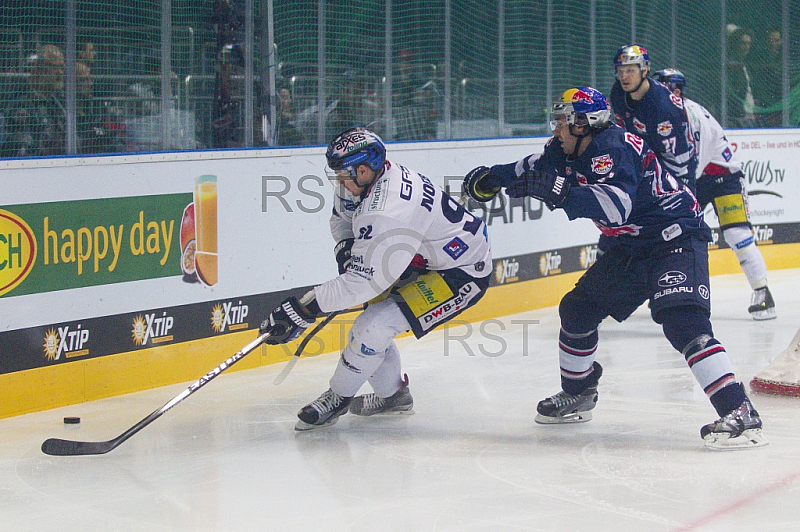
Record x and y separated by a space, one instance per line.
98 129
768 80
88 54
288 134
35 118
411 109
741 103
343 112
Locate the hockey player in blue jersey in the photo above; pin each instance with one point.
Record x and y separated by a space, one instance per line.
657 251
649 110
720 181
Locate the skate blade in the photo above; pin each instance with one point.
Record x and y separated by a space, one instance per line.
302 426
576 417
749 439
762 315
408 412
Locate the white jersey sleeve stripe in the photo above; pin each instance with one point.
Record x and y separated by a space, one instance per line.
603 195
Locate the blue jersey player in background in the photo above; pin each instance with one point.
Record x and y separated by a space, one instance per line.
648 109
657 251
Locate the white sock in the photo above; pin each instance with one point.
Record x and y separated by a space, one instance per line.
741 241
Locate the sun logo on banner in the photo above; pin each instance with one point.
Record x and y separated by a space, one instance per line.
217 318
138 330
50 344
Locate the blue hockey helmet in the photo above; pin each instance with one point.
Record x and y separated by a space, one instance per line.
583 106
356 146
672 78
632 55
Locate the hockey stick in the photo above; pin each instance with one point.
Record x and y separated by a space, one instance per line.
300 348
296 356
58 447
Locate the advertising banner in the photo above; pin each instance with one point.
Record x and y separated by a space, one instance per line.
71 244
113 254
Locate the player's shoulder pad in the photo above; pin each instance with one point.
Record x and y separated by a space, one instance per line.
693 105
376 199
610 149
663 96
618 140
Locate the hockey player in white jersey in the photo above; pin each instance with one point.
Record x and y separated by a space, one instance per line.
403 245
720 181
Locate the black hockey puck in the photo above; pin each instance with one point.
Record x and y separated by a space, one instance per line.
72 420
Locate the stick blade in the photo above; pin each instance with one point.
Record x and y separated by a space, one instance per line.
59 447
286 370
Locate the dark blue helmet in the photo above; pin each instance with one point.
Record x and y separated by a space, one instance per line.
354 147
672 78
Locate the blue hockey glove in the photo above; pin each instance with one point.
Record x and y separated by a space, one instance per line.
480 184
550 189
286 322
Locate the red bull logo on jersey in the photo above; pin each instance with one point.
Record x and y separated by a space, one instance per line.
665 128
639 126
602 164
629 229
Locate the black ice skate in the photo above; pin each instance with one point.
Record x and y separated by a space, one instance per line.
370 404
738 429
762 306
322 412
564 407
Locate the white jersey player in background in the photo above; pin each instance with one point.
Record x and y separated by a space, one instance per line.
406 248
720 181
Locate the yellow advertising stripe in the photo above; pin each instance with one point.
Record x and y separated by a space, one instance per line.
777 257
75 382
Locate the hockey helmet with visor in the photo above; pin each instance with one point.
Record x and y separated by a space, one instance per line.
354 147
581 106
672 78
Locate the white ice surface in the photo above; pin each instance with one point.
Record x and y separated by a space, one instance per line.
471 459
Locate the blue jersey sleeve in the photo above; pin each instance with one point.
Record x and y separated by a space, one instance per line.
609 194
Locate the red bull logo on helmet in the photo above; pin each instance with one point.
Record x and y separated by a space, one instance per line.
638 50
581 96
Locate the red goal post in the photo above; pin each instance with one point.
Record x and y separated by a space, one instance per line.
782 375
